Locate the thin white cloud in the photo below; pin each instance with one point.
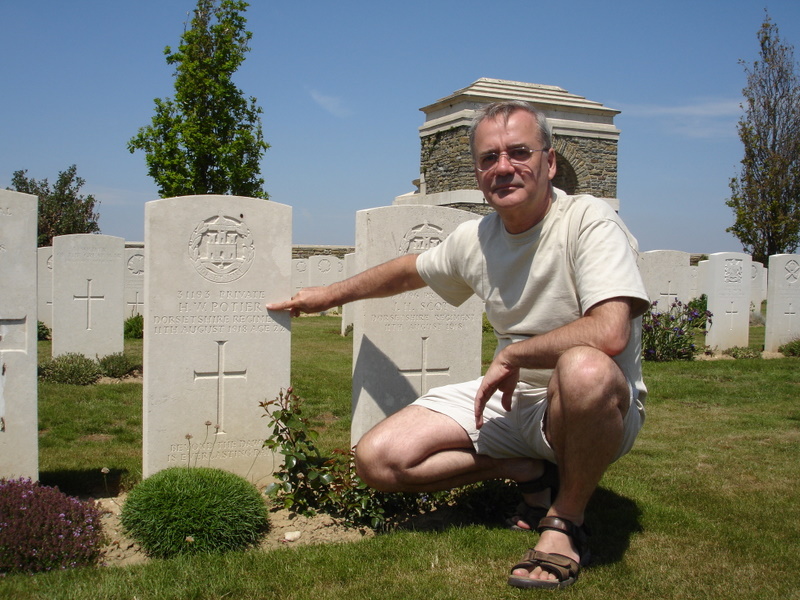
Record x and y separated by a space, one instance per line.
714 118
707 108
331 104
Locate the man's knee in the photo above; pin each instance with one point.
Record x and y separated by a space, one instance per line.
371 453
588 377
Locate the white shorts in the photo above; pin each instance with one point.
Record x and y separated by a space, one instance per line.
520 431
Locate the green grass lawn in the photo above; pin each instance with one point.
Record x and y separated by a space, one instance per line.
705 506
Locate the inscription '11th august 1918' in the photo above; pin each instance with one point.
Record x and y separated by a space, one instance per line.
219 311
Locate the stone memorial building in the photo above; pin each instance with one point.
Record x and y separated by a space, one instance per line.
584 137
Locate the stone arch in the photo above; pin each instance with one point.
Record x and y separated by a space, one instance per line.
571 172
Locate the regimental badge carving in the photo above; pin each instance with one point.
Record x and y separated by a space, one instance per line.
324 265
300 266
421 238
221 249
792 271
734 270
136 264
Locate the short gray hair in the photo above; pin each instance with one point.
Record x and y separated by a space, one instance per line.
505 109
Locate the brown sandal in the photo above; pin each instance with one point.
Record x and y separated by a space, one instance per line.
533 514
564 568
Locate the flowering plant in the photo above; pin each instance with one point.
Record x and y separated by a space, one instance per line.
669 335
41 528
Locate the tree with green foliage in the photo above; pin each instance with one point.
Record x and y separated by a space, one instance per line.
62 209
765 197
208 138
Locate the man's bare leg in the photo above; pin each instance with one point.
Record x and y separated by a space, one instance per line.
420 450
587 402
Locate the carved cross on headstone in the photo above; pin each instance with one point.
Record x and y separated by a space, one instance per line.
88 297
731 312
790 315
134 306
424 370
220 375
669 295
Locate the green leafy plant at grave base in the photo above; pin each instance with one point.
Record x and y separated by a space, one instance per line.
71 368
742 352
309 482
669 335
791 348
134 327
43 332
305 475
116 365
699 305
194 511
42 529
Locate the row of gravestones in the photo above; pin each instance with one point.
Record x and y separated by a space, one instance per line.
735 286
311 271
212 352
133 261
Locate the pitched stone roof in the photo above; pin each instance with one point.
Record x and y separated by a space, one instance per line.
568 114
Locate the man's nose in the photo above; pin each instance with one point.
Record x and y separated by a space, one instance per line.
504 164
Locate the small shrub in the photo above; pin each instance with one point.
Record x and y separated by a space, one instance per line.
699 305
43 332
669 335
791 348
71 368
194 511
134 327
305 475
116 365
309 482
742 352
42 529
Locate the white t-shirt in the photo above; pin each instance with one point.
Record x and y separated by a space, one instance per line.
580 254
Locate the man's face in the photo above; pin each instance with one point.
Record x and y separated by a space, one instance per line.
519 193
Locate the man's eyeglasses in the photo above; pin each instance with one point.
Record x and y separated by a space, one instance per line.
518 156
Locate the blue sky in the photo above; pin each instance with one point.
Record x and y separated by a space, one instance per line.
341 85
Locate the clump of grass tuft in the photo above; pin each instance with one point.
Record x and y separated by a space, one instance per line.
71 368
742 352
194 511
116 365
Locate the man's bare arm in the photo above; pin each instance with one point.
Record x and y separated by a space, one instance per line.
393 277
606 327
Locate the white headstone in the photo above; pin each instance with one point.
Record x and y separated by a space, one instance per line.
134 279
667 276
88 307
45 284
299 274
783 301
758 286
347 309
728 288
19 428
406 344
212 352
324 270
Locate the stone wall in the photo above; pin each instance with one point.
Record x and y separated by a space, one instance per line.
584 164
306 251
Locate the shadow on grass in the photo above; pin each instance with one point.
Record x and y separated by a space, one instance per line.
86 483
612 519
